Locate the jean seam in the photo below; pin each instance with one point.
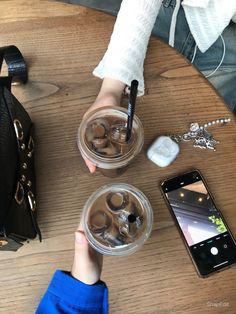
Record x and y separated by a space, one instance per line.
188 46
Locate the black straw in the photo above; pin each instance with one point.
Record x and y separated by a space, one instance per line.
131 108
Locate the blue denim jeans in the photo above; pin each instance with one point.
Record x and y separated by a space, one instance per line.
224 79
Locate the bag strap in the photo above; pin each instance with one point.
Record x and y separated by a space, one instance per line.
17 68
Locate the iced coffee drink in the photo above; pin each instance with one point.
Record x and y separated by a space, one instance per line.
117 219
102 139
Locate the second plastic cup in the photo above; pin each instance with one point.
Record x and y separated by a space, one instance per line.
117 219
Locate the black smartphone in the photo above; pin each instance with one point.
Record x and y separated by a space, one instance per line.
207 237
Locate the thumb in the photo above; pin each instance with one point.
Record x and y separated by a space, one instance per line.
80 238
81 247
86 266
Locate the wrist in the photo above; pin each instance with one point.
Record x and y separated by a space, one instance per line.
107 99
110 94
112 87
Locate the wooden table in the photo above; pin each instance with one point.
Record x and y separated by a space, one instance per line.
62 44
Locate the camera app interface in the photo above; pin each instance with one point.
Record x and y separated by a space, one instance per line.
195 212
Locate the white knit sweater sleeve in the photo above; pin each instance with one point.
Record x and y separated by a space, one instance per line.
208 18
126 51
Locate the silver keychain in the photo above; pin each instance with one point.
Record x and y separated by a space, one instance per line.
201 137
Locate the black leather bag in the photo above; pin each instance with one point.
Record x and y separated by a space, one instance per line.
17 174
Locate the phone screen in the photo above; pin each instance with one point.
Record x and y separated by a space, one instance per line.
196 213
209 240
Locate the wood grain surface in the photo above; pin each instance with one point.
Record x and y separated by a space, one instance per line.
62 44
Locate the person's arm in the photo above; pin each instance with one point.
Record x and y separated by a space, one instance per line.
81 291
109 95
66 294
124 58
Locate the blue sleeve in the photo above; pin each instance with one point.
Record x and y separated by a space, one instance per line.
67 295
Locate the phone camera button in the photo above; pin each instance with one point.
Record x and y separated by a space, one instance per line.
214 250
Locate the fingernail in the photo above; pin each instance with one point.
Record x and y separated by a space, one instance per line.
90 166
79 238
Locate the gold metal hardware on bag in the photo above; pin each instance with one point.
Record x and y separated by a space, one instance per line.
24 166
32 201
23 178
3 243
29 183
19 195
22 146
18 129
15 83
30 146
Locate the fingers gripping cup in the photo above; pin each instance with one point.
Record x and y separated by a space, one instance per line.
102 139
117 219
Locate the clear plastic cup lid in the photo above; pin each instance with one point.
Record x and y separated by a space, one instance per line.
117 219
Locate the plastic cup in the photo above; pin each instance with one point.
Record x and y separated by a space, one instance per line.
117 219
101 139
